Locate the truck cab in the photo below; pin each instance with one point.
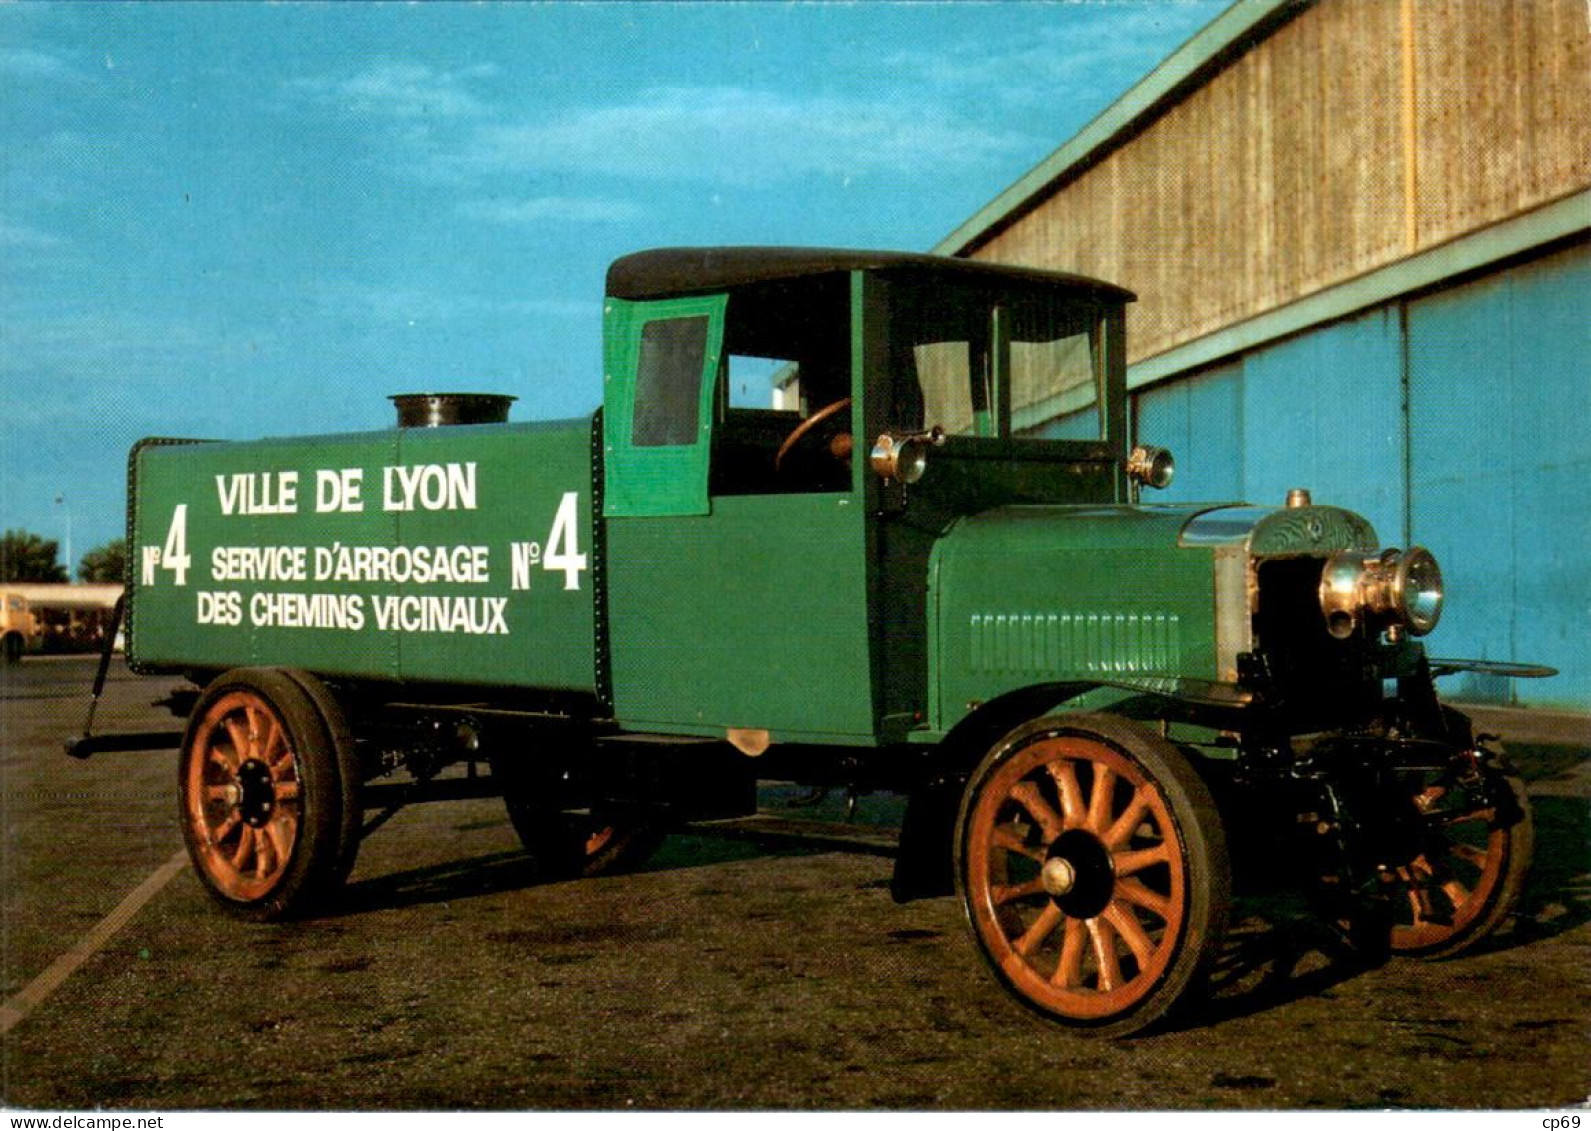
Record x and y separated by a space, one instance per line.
787 434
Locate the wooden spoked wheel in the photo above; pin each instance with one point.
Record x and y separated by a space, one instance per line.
1469 867
1093 871
244 795
258 794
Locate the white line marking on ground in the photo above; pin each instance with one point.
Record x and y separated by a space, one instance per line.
27 999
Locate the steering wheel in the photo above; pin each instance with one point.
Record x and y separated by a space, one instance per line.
805 428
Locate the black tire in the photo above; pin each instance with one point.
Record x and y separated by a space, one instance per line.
1100 910
11 650
259 797
1469 868
567 843
350 774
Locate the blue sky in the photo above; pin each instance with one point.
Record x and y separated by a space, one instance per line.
237 220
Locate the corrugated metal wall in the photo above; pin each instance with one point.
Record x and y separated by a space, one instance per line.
1458 420
1353 135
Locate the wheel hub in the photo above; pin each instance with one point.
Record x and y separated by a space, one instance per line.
258 793
1059 877
1079 875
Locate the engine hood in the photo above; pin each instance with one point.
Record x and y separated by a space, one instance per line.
1022 595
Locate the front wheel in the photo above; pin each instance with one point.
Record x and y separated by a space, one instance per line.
1092 866
1469 863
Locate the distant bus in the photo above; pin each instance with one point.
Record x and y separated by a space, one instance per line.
42 617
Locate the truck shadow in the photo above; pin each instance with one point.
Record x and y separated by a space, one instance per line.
1276 952
500 872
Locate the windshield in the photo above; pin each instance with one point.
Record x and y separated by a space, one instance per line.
983 363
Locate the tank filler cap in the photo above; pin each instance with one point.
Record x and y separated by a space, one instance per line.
437 410
1299 497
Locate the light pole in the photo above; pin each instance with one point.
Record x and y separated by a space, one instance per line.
60 501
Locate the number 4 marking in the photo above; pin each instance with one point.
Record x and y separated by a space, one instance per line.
563 543
174 556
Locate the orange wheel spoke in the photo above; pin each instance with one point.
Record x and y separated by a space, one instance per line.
1121 832
1003 838
1424 909
1010 893
1069 970
1127 863
1103 937
1135 893
1469 854
241 732
225 830
1100 800
1429 796
1027 795
217 792
263 855
281 838
1132 933
1456 893
1043 927
274 749
287 790
259 720
241 742
245 847
287 829
1072 808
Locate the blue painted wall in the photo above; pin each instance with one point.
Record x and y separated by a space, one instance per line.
1459 420
1500 468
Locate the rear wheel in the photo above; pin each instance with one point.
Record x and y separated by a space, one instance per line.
570 843
1092 866
1469 866
259 795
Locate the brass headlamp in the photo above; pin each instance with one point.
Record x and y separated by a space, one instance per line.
1392 589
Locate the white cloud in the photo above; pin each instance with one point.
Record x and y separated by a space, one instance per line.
22 236
425 306
735 135
29 63
1080 58
439 125
409 91
94 350
552 209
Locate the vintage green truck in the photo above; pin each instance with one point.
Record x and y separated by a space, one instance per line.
801 541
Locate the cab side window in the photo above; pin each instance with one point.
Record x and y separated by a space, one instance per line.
784 421
668 382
